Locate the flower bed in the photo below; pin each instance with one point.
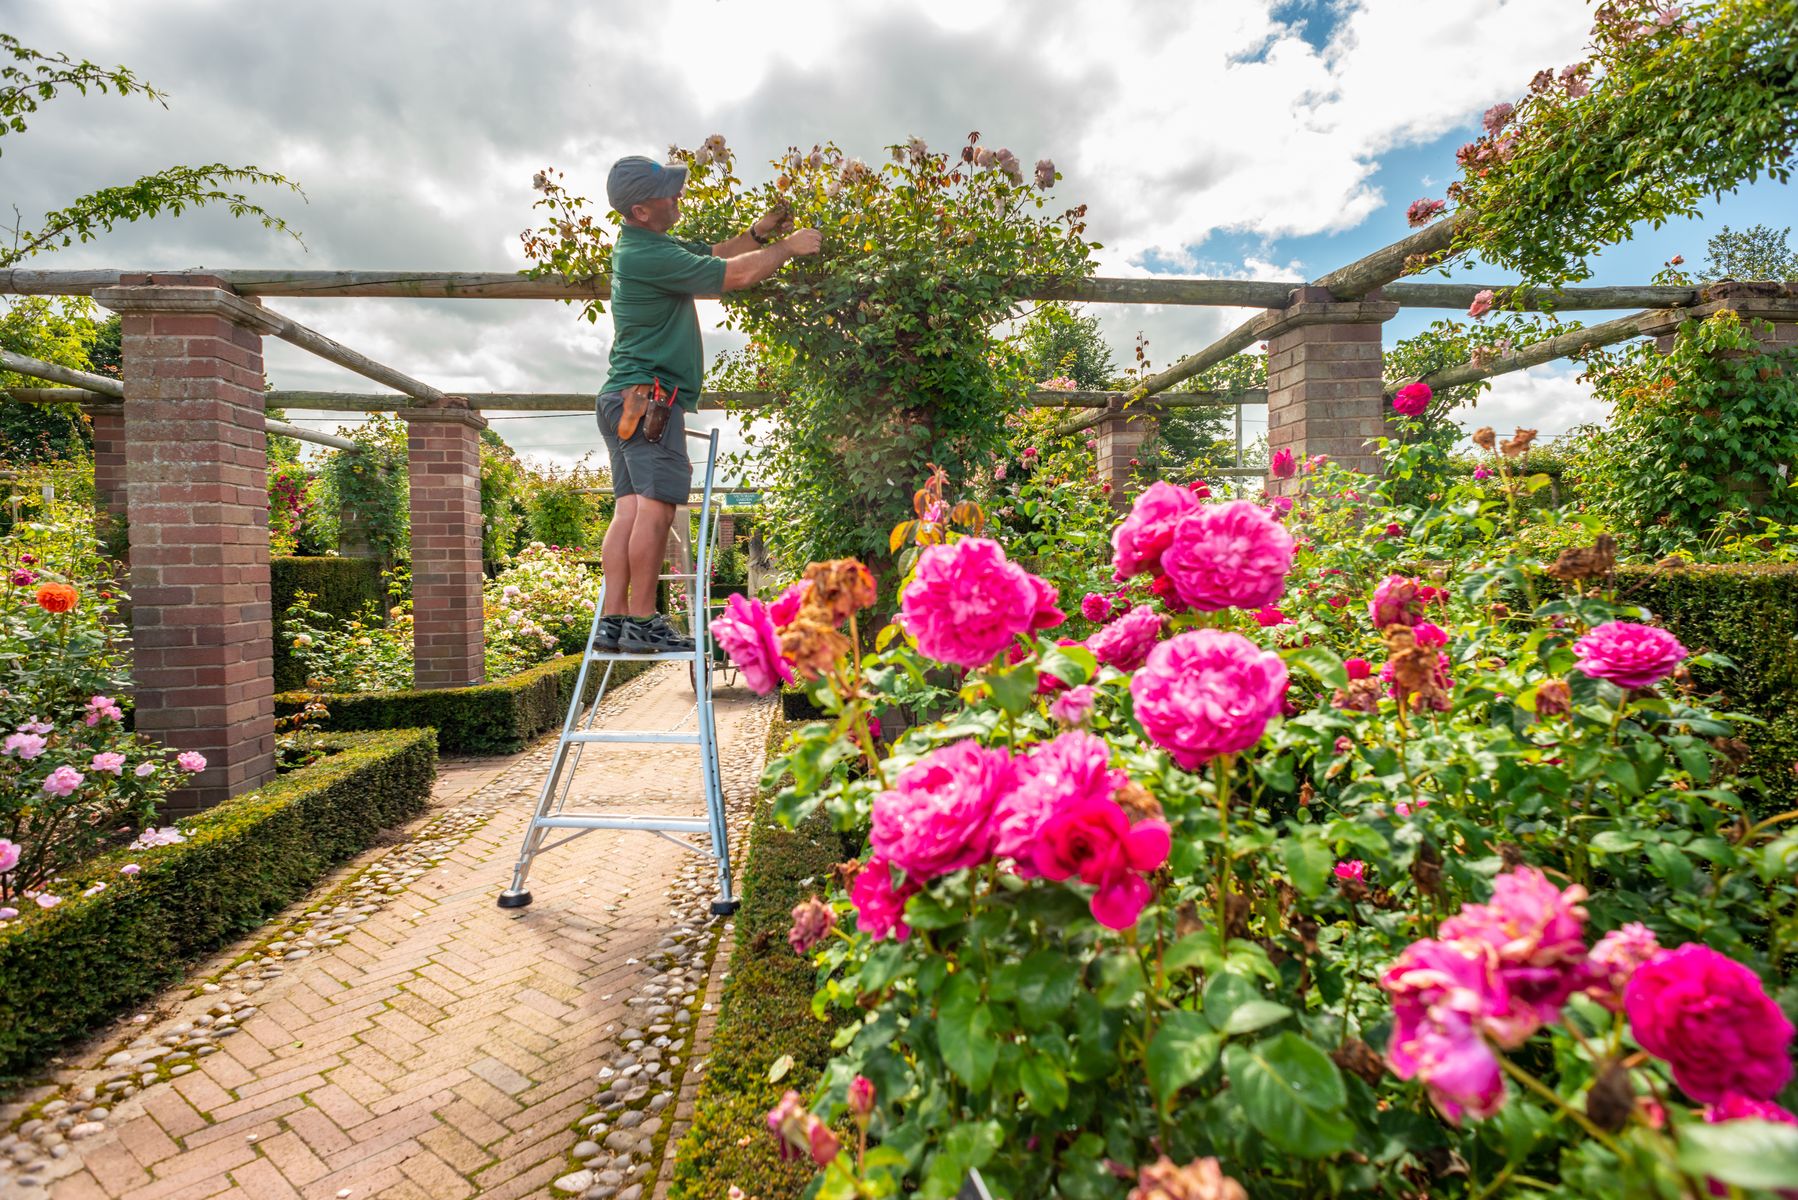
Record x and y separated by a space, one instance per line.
501 717
339 587
133 919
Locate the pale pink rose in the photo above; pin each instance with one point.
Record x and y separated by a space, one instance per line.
1126 642
9 855
39 727
966 602
1412 400
109 762
95 890
46 900
1712 1021
937 817
1497 116
1629 655
24 745
1073 707
1482 304
1207 693
1141 537
145 770
63 781
130 869
1056 773
1614 959
746 630
1422 212
191 760
1045 174
1442 995
7 914
1233 555
1535 933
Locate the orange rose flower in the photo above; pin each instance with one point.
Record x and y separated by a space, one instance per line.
57 597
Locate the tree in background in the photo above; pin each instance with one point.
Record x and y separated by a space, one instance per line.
562 509
1757 252
63 330
1059 342
367 491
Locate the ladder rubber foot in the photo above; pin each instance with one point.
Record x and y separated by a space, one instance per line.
725 908
512 899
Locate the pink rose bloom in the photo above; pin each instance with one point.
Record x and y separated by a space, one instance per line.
112 764
1429 635
1614 959
1397 600
23 578
1282 465
1069 768
822 1143
1412 400
1482 473
46 900
812 922
1095 607
1629 655
1739 1108
8 913
1343 745
786 607
41 727
1267 618
130 869
63 781
966 603
191 760
25 745
145 769
1441 997
1093 838
1141 538
1045 615
1357 668
1496 116
1422 212
879 904
746 630
1126 642
938 815
1535 933
1233 555
1709 1017
1482 304
1207 693
9 855
1074 706
1404 808
1353 869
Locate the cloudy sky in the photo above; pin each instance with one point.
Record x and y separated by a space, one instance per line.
1269 139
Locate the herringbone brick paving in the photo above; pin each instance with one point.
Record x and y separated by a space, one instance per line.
447 1046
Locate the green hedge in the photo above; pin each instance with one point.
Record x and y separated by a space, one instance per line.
1750 613
502 717
66 970
766 1012
344 587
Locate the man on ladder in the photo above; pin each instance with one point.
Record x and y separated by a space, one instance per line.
657 369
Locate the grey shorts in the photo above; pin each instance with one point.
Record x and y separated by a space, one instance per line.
660 470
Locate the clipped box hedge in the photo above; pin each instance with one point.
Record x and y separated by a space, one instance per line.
502 717
1749 612
343 587
64 971
766 1012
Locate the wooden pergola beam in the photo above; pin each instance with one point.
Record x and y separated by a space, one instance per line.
577 402
1550 349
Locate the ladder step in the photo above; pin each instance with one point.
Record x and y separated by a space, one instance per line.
633 735
627 656
650 824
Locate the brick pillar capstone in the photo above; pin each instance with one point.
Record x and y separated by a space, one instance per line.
1776 303
1117 447
108 424
1325 379
196 472
443 455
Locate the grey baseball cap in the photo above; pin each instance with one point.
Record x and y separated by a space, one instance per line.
637 180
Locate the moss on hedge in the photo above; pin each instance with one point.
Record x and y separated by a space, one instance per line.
66 970
1750 613
766 1013
343 587
501 717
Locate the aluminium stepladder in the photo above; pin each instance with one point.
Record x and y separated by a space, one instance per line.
580 730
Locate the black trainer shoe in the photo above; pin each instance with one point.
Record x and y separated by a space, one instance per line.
607 637
652 635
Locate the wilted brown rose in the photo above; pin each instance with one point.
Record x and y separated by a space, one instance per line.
1586 562
812 645
1518 443
1358 1058
1200 1179
1361 695
1137 802
1553 698
1416 670
1484 438
1612 1100
839 587
1426 870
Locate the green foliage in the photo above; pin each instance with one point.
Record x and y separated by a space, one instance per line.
501 717
368 490
65 971
766 1015
1059 342
338 588
66 331
559 512
1757 252
1700 440
367 651
1665 112
503 483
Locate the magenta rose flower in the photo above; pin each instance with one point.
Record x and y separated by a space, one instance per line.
1141 537
1282 465
1614 959
1095 607
1742 1108
966 602
1092 837
746 630
1126 642
1709 1017
786 607
1074 706
1442 997
1207 693
1397 600
938 815
879 903
1045 615
1629 655
1412 400
1233 555
1070 767
1535 935
1352 868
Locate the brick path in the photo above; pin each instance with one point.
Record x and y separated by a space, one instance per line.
442 1047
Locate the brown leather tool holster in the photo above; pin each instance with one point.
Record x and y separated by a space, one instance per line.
636 403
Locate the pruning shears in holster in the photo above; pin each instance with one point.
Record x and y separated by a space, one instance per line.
649 405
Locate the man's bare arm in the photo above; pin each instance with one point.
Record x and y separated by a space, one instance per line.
776 222
746 270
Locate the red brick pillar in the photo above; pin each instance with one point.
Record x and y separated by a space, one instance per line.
727 531
108 424
444 458
1118 444
1325 380
197 498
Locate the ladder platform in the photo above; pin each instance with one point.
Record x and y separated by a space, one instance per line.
643 824
652 736
627 656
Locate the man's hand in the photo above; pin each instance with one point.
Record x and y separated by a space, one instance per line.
803 242
776 222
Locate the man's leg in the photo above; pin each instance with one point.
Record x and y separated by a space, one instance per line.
648 550
614 557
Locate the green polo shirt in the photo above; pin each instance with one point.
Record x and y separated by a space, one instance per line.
655 324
